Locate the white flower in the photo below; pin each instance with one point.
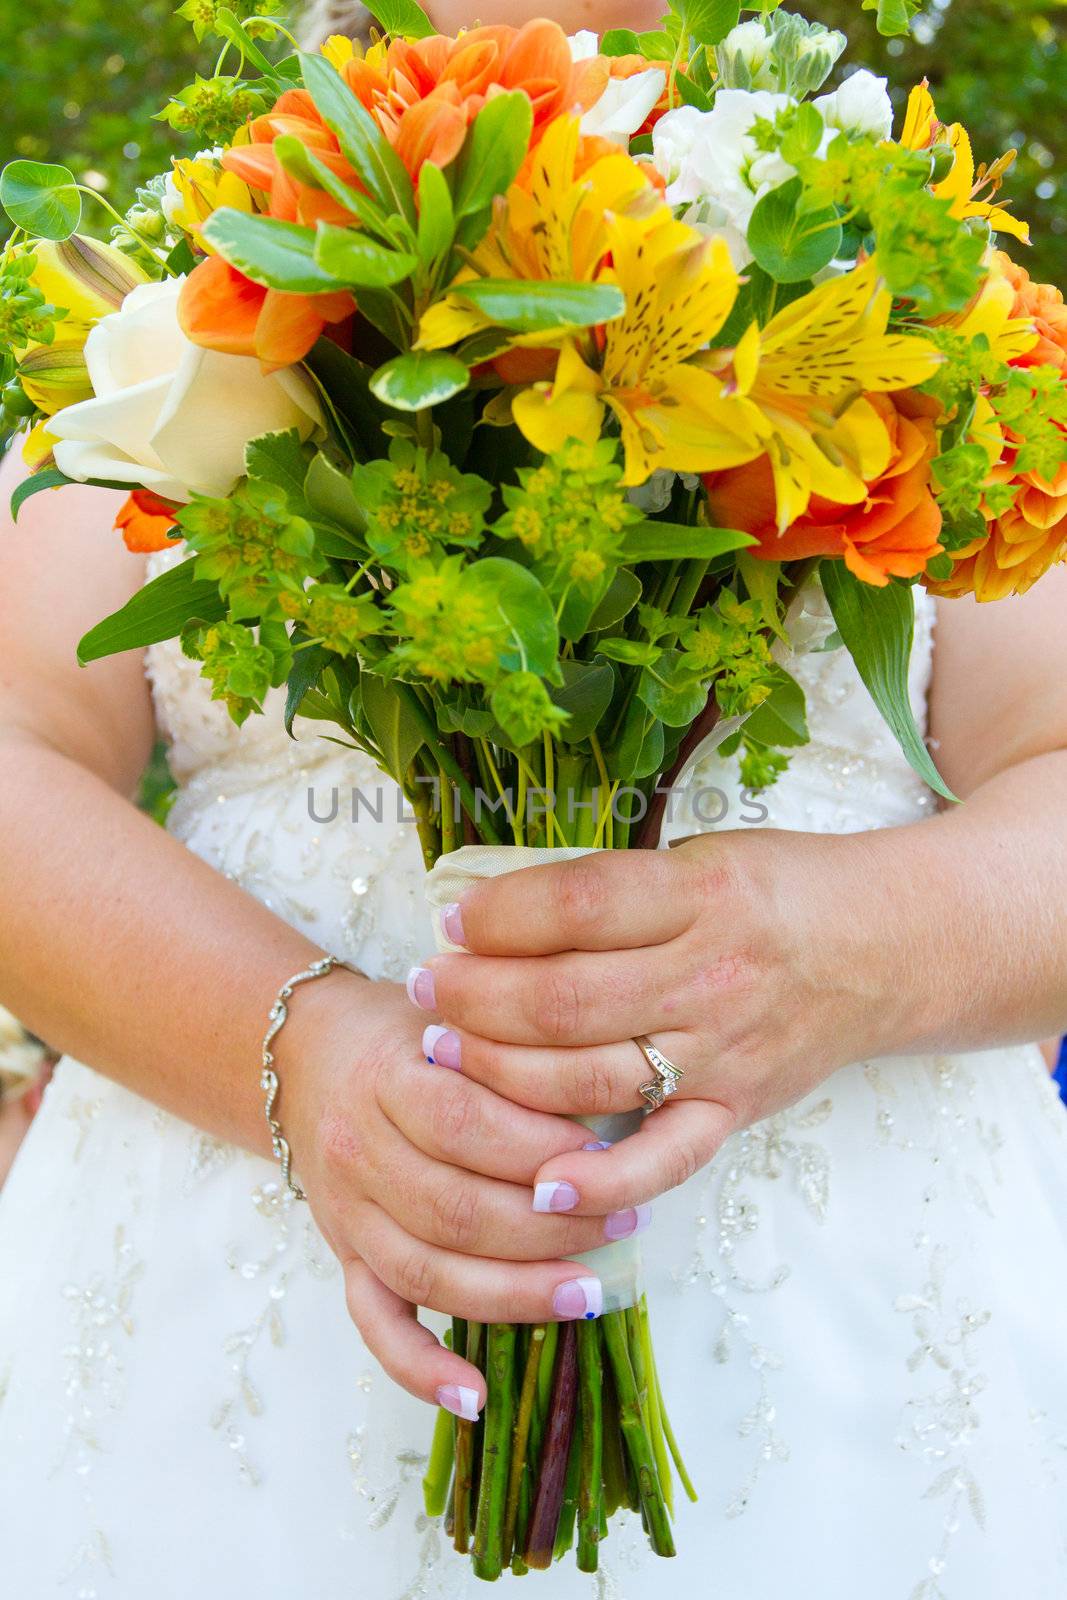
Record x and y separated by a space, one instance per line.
711 160
584 45
751 43
624 105
167 415
861 105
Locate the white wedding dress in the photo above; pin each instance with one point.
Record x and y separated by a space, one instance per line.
860 1306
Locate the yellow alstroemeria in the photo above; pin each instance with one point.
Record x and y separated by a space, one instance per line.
806 375
989 316
672 411
204 186
551 225
923 129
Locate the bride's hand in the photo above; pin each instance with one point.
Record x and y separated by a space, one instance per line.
757 962
419 1180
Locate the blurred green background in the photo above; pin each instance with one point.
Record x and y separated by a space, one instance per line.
80 79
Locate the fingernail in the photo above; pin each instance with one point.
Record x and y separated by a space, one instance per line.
440 1046
578 1297
452 923
555 1197
420 988
460 1401
598 1144
624 1224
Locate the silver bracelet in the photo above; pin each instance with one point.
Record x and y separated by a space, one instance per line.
268 1081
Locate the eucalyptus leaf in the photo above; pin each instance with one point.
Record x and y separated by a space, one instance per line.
419 379
878 626
277 255
789 246
42 198
158 611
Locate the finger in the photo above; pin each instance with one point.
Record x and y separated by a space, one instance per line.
574 999
672 1144
608 900
589 1082
409 1353
472 1286
458 1120
476 1216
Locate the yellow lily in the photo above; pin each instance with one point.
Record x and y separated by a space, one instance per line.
672 411
203 187
805 375
922 129
552 225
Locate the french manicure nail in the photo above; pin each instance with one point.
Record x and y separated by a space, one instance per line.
624 1224
559 1196
420 988
452 923
578 1297
598 1144
440 1046
460 1401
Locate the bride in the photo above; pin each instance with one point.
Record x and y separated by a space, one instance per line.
857 1261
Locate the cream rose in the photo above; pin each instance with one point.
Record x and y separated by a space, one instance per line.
167 415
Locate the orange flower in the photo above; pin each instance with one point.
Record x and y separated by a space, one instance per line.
145 520
222 309
1023 543
894 533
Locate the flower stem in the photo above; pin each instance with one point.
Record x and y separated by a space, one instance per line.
439 1469
499 1415
559 1431
635 1435
522 1436
590 1479
465 1452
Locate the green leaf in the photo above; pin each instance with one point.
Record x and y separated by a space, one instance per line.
329 493
538 307
278 255
280 459
402 18
41 198
676 541
346 383
351 258
584 695
781 721
623 594
304 675
668 690
362 142
894 16
418 379
631 652
437 223
46 478
656 45
304 165
158 611
707 21
395 728
620 42
877 626
525 604
789 246
494 150
690 93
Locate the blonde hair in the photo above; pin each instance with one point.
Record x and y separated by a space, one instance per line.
322 18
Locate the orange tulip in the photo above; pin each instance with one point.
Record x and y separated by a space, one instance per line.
224 310
145 521
893 533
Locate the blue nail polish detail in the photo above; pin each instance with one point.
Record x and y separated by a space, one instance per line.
598 1144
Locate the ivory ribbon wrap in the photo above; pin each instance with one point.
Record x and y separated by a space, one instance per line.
618 1266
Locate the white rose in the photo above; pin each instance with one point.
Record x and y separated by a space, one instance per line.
861 105
584 45
712 162
167 415
624 105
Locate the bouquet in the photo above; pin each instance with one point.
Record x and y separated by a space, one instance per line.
505 390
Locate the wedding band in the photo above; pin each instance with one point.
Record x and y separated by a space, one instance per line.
667 1078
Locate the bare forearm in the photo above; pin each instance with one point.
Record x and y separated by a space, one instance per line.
125 950
969 910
